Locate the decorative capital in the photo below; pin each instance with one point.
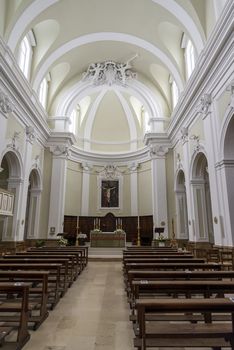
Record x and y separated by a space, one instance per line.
14 140
30 133
204 104
197 146
109 72
86 166
158 151
133 166
6 105
184 134
60 151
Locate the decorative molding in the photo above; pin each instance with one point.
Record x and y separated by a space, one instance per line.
30 134
204 104
158 151
86 166
184 134
178 161
110 171
231 89
60 151
197 146
109 72
14 141
6 105
133 166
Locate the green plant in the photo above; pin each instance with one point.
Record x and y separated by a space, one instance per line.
40 243
63 242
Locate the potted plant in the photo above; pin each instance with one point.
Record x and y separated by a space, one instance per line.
161 240
81 238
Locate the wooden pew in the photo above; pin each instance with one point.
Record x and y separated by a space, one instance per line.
166 334
40 277
70 267
144 275
79 257
63 282
83 250
20 307
187 288
54 276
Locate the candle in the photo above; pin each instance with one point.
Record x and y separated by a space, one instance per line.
77 222
138 221
116 224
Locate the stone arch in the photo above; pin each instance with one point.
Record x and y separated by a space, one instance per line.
32 212
11 179
181 206
203 222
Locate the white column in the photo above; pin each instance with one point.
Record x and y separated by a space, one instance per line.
85 189
27 166
134 189
57 192
159 187
6 107
186 164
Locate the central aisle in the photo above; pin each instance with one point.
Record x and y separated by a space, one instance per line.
93 315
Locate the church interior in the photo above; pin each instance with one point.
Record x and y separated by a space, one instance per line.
116 174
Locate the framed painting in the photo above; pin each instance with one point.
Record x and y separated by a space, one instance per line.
110 193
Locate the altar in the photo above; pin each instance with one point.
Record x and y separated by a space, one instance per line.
107 239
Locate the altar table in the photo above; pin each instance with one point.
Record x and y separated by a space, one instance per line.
107 239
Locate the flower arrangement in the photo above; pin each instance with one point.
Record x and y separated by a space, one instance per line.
62 242
96 230
82 235
161 238
118 230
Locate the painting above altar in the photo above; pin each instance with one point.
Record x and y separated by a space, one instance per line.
109 193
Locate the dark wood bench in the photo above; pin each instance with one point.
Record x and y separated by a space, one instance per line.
166 334
64 271
39 293
174 275
53 279
20 307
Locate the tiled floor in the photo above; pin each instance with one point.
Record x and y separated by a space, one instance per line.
93 315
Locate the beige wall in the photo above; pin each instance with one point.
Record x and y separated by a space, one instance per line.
73 189
145 189
45 196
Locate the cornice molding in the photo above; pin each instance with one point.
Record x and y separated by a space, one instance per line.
213 61
26 104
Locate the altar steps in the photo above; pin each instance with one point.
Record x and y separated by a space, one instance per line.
105 254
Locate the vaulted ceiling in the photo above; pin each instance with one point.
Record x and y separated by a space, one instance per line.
72 34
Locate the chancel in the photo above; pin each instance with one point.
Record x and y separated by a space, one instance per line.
116 171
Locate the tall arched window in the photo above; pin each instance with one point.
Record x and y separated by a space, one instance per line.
25 53
73 120
43 92
174 92
189 55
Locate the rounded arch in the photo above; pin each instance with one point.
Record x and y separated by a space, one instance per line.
179 178
36 178
181 205
14 162
200 183
227 135
109 36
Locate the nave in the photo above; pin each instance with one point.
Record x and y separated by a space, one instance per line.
92 315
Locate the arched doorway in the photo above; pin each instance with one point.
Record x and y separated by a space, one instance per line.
228 167
10 179
33 205
181 206
203 224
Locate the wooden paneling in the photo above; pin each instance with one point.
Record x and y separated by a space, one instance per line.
108 224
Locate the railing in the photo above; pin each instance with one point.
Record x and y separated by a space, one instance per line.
6 202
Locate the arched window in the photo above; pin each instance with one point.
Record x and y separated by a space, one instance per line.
25 53
174 92
189 55
43 92
73 120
